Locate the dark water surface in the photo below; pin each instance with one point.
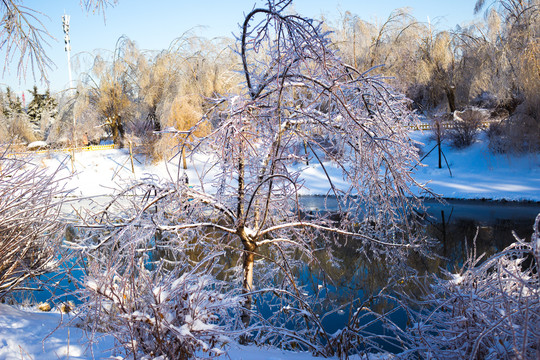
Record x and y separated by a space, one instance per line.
458 225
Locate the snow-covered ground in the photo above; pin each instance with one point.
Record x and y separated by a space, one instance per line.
30 334
479 174
476 173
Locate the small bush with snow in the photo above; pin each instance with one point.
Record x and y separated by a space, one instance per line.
146 289
519 133
466 127
29 222
159 313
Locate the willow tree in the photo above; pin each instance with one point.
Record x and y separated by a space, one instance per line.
300 104
184 79
113 88
517 58
353 38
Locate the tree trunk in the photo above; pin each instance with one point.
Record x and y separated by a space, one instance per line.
438 124
451 96
156 125
184 161
247 284
118 131
249 245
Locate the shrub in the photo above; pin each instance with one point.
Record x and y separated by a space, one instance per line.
519 133
160 313
485 100
21 129
30 230
151 288
466 127
488 310
497 142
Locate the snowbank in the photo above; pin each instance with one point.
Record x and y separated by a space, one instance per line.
29 334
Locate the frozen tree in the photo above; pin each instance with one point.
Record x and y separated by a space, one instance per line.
516 54
113 90
87 126
177 85
302 110
304 105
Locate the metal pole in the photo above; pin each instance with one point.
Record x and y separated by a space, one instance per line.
65 25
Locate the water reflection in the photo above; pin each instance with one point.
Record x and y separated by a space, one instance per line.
459 227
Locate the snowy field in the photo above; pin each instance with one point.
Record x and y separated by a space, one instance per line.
476 173
30 334
479 174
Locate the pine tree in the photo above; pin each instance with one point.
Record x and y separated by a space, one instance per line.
14 105
35 108
41 110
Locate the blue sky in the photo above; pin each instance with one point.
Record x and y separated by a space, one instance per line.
154 24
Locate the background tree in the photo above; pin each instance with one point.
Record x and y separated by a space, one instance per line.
206 72
13 104
518 48
176 86
87 125
3 121
417 59
353 39
35 108
17 124
439 67
137 94
42 111
113 90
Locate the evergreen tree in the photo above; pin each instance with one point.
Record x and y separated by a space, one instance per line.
17 124
35 108
14 105
41 110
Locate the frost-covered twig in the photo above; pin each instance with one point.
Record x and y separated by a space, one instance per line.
30 226
489 310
